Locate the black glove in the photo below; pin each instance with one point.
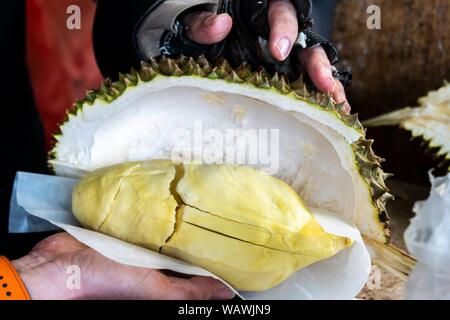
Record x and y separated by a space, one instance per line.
245 43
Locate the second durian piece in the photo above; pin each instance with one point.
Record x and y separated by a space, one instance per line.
430 121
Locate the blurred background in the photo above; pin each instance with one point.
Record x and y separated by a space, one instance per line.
392 68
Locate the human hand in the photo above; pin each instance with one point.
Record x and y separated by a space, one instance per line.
210 28
44 273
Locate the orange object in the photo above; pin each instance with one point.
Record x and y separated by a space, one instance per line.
11 286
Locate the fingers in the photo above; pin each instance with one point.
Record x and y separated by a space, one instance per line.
208 27
48 249
199 288
60 243
283 28
339 96
318 67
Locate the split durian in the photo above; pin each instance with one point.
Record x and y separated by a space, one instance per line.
429 121
313 145
254 235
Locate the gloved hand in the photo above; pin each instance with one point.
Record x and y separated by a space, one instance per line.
284 24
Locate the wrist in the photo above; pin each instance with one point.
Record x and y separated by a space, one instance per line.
45 280
12 286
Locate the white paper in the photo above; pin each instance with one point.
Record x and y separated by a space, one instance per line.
339 277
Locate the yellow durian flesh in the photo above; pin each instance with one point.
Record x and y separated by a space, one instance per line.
131 202
244 265
274 213
247 227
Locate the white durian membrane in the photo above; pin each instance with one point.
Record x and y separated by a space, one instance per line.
311 148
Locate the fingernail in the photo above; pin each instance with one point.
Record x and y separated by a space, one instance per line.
331 83
213 19
224 293
283 47
347 107
210 20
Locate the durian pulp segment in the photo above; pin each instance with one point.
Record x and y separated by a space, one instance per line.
245 265
123 202
232 190
253 248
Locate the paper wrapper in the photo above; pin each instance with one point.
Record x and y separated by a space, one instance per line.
41 201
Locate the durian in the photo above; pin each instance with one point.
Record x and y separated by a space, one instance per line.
254 235
429 121
314 146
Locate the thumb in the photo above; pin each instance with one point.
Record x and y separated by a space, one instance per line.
207 27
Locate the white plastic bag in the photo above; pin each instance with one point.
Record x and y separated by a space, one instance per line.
428 239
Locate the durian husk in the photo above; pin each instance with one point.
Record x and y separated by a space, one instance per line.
369 164
429 121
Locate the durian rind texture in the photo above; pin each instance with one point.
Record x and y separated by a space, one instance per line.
254 236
